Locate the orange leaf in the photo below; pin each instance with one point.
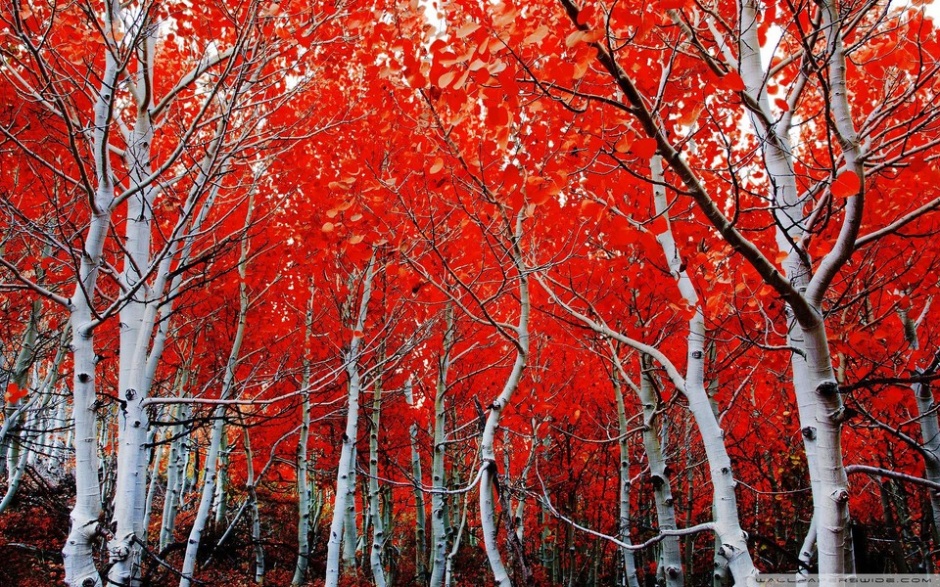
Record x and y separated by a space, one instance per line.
846 185
467 29
593 35
447 78
539 34
624 144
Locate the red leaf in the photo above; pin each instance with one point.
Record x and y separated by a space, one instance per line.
659 225
846 185
732 82
672 4
644 148
15 393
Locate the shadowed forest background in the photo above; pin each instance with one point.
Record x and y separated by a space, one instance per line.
535 292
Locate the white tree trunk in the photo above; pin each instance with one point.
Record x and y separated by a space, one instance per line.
439 530
449 566
78 562
174 471
421 554
303 491
77 556
218 427
345 481
670 558
732 538
220 499
820 406
630 578
350 543
489 472
250 483
378 527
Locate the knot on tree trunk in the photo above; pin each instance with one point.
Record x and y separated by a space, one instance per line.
841 414
119 552
827 388
840 495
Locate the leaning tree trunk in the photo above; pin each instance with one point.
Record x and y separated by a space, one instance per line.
730 535
488 468
669 567
218 427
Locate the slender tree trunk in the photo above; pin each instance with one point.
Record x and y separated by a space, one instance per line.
220 499
303 465
455 547
670 557
250 484
174 471
378 526
814 382
489 474
78 561
340 528
728 527
930 437
218 427
421 536
153 481
439 516
350 543
630 578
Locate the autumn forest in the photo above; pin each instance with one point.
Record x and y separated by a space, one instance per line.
451 293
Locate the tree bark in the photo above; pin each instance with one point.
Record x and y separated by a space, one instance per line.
345 480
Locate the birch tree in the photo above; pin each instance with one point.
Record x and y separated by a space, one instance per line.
128 145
